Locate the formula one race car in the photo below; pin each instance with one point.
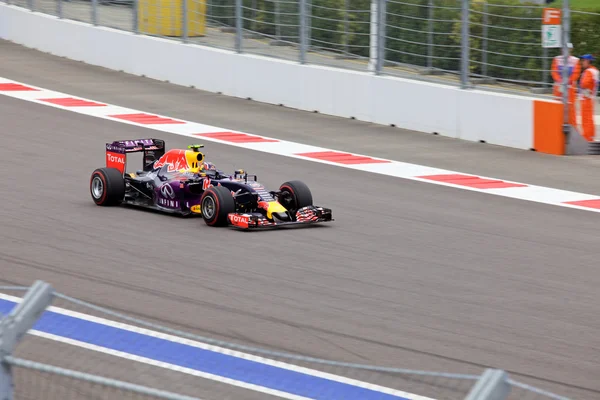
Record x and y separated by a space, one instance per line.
182 182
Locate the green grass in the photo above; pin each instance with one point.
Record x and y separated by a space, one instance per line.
583 5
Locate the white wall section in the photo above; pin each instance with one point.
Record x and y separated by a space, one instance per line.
496 118
500 119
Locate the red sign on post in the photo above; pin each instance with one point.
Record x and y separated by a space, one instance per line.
551 16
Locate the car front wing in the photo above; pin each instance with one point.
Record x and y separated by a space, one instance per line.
305 216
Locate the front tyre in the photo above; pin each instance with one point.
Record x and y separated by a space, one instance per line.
295 195
215 205
107 187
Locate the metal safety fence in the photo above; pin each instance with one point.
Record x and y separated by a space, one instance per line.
472 43
53 346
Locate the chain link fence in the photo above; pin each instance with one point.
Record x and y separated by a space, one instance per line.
421 39
506 44
77 350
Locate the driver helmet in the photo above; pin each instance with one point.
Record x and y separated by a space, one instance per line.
208 166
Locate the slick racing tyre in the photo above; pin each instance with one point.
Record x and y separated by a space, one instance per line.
107 187
295 195
215 205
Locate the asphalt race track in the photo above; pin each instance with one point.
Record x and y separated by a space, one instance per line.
409 275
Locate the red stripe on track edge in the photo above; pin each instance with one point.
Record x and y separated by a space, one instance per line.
471 181
594 203
341 158
16 87
234 137
73 102
146 119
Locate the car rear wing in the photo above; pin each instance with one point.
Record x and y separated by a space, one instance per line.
116 152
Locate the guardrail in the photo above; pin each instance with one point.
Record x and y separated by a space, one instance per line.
425 39
53 346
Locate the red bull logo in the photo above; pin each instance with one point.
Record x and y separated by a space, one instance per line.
176 160
271 207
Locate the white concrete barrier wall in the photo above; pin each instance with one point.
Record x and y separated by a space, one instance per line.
500 119
496 118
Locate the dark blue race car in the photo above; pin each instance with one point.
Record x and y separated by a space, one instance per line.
180 181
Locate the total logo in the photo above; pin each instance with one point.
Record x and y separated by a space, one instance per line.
115 159
238 218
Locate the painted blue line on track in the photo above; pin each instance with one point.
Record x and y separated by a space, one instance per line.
223 365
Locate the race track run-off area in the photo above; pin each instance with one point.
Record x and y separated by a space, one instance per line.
424 267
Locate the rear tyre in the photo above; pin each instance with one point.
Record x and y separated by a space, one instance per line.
294 196
107 187
216 204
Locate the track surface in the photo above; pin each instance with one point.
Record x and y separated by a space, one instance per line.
410 275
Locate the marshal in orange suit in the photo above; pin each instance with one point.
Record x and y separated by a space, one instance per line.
574 73
589 88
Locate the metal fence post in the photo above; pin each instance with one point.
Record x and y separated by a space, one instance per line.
381 36
14 326
373 35
184 21
430 35
308 20
565 49
484 44
377 36
59 9
6 381
136 12
238 25
303 31
277 20
95 12
493 385
464 40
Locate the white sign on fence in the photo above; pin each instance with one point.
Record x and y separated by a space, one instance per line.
551 36
551 28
